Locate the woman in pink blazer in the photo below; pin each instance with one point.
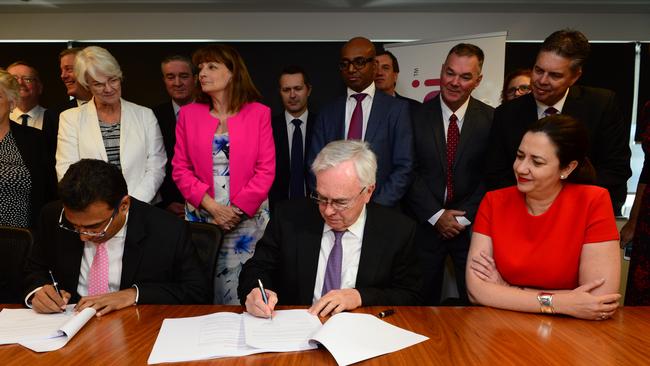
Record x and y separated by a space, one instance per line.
224 160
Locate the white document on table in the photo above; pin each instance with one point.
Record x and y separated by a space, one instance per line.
352 337
288 331
41 332
199 338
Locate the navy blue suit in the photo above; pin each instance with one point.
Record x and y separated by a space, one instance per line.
390 135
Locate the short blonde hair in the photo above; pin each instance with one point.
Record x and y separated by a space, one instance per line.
94 60
9 86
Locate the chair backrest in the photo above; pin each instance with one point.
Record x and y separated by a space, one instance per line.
15 244
207 239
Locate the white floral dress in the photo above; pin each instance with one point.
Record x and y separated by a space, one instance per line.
238 244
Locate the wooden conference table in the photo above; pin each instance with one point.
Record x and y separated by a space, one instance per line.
458 336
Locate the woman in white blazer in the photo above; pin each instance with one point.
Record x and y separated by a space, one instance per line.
110 128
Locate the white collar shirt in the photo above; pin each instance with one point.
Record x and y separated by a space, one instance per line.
35 116
366 106
541 107
290 128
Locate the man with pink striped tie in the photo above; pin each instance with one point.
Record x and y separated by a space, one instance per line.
108 250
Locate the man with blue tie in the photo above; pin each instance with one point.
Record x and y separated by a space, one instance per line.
367 114
292 136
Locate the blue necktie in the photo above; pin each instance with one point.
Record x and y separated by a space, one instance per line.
297 182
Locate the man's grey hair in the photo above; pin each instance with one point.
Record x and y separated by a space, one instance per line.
337 152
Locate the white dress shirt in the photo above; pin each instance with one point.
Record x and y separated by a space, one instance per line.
446 113
351 247
366 106
290 128
541 107
35 116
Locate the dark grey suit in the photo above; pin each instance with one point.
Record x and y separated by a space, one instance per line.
389 133
427 194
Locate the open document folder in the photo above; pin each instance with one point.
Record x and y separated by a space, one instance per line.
349 337
41 332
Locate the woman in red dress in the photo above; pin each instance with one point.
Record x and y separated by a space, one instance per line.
550 243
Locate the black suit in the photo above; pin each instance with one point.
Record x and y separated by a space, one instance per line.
608 133
427 194
414 105
51 126
167 120
33 151
286 258
158 257
280 188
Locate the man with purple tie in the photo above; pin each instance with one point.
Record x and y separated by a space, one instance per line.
367 114
340 251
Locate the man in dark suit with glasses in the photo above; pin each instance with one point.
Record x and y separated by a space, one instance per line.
108 250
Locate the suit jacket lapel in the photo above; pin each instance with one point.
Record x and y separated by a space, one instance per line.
339 126
133 250
377 114
572 103
282 146
371 249
308 245
438 129
467 132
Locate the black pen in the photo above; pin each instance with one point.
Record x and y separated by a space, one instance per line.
385 313
55 284
264 297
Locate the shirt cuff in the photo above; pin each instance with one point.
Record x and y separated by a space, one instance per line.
433 219
137 294
29 296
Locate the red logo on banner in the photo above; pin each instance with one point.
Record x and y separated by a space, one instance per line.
428 83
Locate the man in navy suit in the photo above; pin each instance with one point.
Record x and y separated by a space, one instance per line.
370 115
294 125
557 68
451 135
179 79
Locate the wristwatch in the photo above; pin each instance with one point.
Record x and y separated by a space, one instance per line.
546 302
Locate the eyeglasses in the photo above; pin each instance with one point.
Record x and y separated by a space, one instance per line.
25 79
523 89
65 225
112 82
358 63
337 204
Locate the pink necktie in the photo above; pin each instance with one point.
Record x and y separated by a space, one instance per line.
452 143
98 276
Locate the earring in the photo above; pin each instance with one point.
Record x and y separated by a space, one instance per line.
562 176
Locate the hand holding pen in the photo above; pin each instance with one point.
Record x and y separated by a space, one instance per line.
50 298
260 302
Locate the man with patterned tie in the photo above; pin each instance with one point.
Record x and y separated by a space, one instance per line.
292 131
108 250
451 134
557 68
340 251
370 115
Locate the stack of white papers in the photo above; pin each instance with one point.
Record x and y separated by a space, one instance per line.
41 332
349 337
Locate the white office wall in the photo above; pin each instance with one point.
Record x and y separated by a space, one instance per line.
315 26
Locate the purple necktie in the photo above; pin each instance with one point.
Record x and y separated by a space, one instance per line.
550 111
356 122
452 144
333 271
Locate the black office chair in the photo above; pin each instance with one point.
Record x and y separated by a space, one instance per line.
15 244
207 239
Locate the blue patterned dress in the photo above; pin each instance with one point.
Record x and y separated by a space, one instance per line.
238 244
